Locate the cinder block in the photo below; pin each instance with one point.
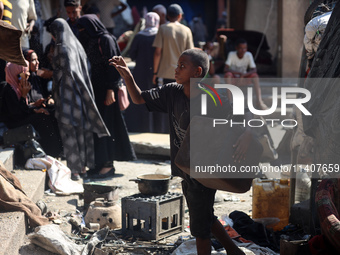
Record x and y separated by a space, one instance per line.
152 217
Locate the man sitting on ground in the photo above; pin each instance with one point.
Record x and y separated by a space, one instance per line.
240 64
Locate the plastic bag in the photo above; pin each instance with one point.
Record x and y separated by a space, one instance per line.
60 175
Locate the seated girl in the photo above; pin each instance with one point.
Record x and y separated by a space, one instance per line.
38 96
16 112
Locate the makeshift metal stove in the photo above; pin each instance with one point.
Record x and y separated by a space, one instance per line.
152 217
93 190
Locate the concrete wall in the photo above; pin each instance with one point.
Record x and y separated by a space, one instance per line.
292 35
285 30
258 11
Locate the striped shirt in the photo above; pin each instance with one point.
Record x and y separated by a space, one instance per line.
7 14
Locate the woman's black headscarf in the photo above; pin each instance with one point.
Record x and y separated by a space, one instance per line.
93 26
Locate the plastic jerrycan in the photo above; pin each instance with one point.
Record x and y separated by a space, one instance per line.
271 200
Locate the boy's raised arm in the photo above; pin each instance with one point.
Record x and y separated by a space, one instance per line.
135 93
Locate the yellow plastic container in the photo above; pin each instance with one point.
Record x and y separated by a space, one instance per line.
271 199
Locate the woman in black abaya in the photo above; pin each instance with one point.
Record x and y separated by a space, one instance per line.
100 46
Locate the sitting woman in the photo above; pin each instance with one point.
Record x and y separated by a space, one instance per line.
38 96
16 111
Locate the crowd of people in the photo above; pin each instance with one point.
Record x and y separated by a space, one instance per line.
80 118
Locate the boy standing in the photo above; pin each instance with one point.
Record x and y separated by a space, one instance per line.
240 64
174 99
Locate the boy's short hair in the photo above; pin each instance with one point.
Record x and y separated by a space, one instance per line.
240 41
74 3
174 10
198 58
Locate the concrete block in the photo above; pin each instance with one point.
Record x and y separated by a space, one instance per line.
13 224
32 182
151 144
12 232
7 157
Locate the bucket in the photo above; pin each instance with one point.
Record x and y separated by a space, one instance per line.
271 199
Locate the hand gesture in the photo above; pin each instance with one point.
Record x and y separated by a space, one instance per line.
110 97
39 102
45 73
241 146
119 63
41 110
28 28
24 87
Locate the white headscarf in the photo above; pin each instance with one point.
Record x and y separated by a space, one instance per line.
151 24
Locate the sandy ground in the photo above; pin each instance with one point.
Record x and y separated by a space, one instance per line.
225 202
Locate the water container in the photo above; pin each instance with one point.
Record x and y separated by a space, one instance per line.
271 199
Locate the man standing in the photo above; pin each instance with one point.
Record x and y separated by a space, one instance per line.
23 18
171 40
73 10
161 11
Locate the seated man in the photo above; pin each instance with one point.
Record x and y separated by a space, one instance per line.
240 64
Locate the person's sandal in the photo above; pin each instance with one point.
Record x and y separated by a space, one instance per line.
75 177
110 173
83 175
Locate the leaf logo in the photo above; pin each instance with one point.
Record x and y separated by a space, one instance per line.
209 93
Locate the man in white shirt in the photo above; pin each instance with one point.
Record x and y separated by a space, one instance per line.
240 64
23 18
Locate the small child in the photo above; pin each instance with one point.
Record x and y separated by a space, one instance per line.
174 99
240 64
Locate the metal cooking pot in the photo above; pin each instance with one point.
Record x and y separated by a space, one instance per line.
153 184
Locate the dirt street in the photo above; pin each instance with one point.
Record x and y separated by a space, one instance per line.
224 204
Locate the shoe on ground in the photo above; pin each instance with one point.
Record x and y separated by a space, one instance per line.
110 173
75 177
83 175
